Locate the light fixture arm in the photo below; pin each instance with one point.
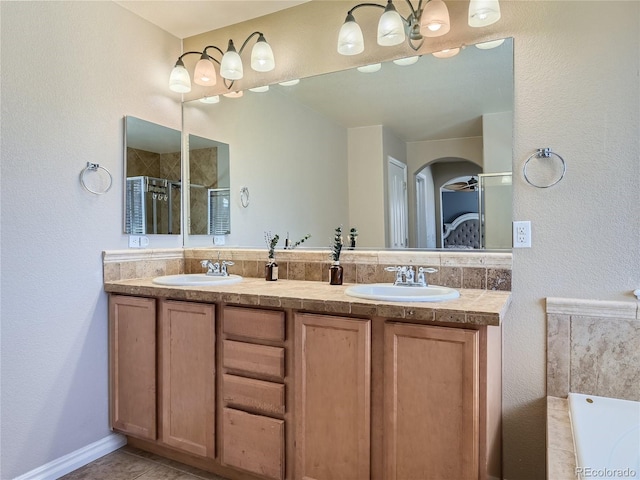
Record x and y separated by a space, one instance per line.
244 44
412 24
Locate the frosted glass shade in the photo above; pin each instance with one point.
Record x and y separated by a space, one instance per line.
205 72
350 39
403 62
390 27
211 100
448 53
483 12
231 65
262 56
490 44
179 80
435 19
374 67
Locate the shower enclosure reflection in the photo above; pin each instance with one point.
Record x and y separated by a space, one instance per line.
153 184
209 202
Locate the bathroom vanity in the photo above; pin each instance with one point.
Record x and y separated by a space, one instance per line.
294 379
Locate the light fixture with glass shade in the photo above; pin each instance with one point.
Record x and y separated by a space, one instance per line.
428 19
483 12
231 67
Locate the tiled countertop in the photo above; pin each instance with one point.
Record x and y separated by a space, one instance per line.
561 462
476 307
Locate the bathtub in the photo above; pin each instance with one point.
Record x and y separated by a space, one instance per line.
606 436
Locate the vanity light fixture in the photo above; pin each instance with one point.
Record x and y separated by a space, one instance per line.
483 12
231 67
447 53
290 83
264 88
429 18
374 67
490 44
233 94
403 62
211 99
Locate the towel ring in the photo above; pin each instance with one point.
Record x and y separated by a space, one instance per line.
543 153
244 196
94 167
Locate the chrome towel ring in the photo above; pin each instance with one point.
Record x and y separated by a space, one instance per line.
543 153
94 167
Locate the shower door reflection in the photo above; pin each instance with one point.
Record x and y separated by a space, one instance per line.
494 196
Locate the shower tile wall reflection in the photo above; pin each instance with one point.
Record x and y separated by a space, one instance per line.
203 172
162 166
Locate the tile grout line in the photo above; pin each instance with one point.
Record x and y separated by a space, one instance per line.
167 466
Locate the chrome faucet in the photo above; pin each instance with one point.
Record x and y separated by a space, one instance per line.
217 269
406 276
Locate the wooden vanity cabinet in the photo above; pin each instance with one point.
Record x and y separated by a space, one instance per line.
132 365
254 391
383 400
333 397
186 360
431 402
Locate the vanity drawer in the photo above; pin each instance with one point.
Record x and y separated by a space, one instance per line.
259 360
253 443
252 394
254 324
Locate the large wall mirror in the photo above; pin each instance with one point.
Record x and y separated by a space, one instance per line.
375 151
152 178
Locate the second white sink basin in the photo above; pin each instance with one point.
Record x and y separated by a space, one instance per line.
396 293
196 279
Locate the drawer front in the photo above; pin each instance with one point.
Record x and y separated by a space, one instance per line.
253 443
255 395
259 360
255 324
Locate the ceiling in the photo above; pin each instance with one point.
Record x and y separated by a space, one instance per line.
431 100
186 18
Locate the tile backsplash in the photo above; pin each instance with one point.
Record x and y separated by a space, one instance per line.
477 270
592 348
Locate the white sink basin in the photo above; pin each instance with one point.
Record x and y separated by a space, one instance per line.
196 279
397 293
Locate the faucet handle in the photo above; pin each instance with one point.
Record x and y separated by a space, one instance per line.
224 262
204 263
427 270
392 269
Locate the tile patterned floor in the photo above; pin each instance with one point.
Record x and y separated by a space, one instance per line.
130 463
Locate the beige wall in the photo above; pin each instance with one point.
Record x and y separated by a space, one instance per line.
277 173
70 72
576 90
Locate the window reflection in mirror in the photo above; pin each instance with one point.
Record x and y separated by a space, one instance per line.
152 178
316 154
209 199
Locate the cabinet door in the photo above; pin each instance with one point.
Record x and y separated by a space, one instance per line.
333 400
431 402
132 364
187 377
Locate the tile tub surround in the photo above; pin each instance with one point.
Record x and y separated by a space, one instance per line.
561 460
470 270
592 348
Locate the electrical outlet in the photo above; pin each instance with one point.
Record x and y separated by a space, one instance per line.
218 240
522 234
138 241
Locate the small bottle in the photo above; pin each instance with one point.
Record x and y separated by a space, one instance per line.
271 271
335 273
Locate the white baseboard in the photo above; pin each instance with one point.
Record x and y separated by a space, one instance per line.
74 460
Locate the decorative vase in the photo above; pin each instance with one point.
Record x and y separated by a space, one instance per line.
271 271
335 273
